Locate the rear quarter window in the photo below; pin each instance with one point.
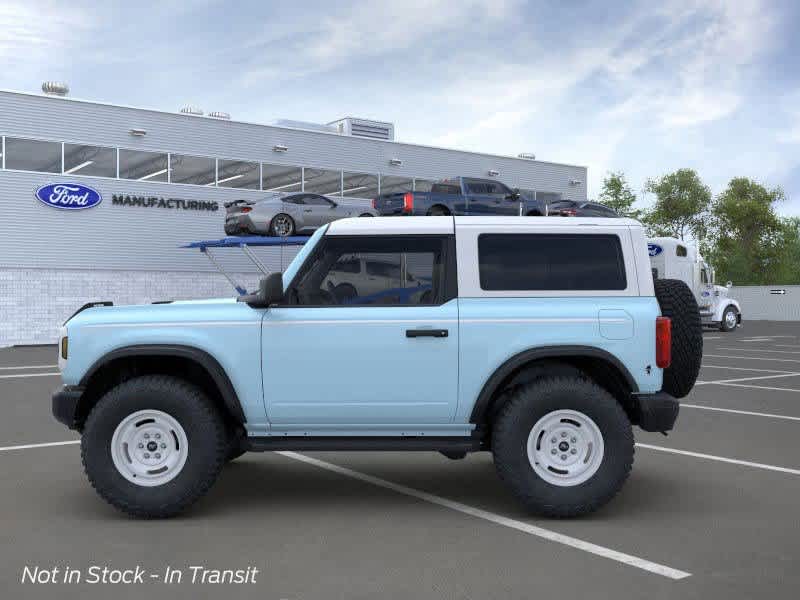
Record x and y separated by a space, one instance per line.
551 262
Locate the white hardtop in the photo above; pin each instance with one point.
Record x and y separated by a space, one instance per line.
447 225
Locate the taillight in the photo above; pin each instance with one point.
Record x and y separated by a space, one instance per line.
408 202
569 212
663 342
375 203
246 209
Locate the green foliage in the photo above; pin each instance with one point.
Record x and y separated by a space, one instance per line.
751 244
681 206
618 195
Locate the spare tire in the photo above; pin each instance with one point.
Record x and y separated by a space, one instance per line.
678 303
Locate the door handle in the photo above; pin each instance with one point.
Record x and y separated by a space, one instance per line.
307 210
437 333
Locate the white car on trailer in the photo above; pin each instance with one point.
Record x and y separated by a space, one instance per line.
671 258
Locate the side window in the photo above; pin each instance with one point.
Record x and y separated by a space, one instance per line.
680 251
294 199
552 262
315 200
475 187
703 276
497 188
398 271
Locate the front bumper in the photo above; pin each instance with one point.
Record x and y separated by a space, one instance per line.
657 412
65 405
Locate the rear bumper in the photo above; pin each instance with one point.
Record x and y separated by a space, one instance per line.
65 405
657 412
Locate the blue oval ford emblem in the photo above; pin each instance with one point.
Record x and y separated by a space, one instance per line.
654 249
69 196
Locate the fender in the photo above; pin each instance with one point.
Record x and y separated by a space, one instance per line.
720 308
203 358
518 360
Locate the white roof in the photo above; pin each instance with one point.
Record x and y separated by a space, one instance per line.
391 226
445 225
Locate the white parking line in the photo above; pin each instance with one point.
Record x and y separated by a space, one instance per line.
721 381
45 445
748 413
552 536
28 367
759 350
29 375
794 360
732 461
744 369
786 345
760 387
712 337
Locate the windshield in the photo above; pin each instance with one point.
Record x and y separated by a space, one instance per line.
300 258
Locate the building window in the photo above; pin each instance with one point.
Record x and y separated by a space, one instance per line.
553 262
144 166
396 185
90 160
323 181
360 185
280 178
194 170
238 174
33 155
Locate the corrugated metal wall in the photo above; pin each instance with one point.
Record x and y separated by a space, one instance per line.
33 235
767 303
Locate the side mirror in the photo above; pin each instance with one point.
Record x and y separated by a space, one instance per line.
270 291
514 195
334 204
729 285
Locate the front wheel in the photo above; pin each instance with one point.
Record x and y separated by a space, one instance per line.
730 319
563 445
153 445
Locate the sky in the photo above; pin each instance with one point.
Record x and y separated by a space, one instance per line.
639 87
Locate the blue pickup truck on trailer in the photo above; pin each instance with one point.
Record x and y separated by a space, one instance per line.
461 196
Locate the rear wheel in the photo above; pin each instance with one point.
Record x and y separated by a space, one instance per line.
282 225
730 319
678 303
563 445
438 211
153 445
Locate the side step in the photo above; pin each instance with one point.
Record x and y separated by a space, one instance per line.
403 444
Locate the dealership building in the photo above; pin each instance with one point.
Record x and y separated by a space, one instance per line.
161 180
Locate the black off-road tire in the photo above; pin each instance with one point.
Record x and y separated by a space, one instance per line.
205 432
678 303
723 324
236 444
525 408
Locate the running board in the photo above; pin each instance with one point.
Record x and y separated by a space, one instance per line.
394 443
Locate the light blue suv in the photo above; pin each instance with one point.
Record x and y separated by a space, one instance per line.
540 340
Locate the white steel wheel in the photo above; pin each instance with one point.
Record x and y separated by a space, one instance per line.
730 319
565 448
149 448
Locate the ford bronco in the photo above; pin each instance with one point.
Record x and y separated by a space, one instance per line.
540 340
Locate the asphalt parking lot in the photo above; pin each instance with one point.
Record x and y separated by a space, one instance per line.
709 512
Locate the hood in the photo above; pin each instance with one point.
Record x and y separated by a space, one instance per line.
721 290
194 311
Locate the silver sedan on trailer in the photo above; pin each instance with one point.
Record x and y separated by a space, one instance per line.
284 214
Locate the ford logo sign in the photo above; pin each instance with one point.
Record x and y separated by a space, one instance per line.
69 196
654 249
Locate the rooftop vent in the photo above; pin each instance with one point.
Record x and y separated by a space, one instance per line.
376 130
527 155
55 88
192 110
216 114
303 125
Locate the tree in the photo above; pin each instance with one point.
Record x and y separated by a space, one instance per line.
618 195
751 243
681 207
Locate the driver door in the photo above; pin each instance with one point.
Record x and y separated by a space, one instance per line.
318 210
365 349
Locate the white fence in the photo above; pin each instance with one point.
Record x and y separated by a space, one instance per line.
768 302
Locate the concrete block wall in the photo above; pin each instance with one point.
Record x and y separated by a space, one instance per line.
35 302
